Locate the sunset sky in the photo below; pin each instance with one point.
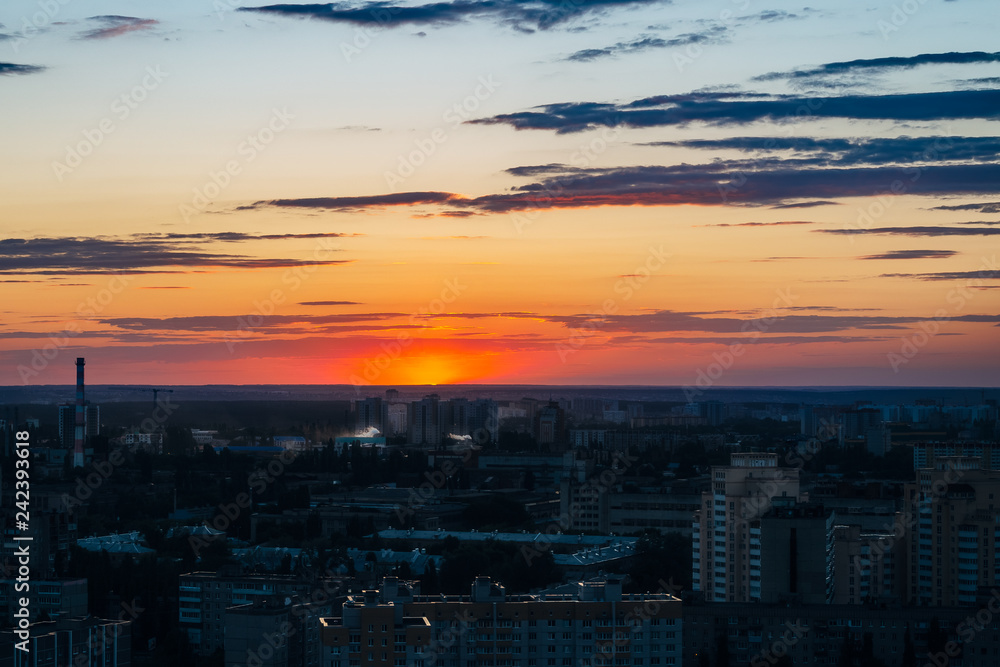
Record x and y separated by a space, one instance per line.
634 192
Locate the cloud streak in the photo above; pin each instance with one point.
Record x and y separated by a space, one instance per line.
735 108
523 15
13 69
566 187
140 253
885 64
912 254
918 231
713 35
115 26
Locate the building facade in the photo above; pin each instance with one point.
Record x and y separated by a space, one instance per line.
726 544
594 624
953 540
204 598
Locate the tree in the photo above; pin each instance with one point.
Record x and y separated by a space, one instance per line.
659 557
909 651
936 638
495 513
722 655
429 580
847 652
314 526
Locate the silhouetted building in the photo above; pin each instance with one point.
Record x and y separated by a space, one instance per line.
726 546
550 424
67 423
424 425
953 538
80 642
796 553
582 623
205 597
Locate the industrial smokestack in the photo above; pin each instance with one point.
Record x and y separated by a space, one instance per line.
80 416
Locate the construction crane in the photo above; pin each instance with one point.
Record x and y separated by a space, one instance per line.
156 391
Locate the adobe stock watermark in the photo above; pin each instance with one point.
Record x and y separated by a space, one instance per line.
634 619
725 360
966 632
596 485
223 7
904 523
900 16
957 297
795 631
121 109
884 199
102 470
584 156
292 279
626 287
246 152
434 481
693 50
455 115
227 513
394 349
90 307
31 25
804 111
363 35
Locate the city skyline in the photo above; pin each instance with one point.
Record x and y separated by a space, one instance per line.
516 192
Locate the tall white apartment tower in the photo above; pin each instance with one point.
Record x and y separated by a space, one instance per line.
726 530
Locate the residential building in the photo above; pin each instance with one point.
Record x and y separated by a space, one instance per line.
593 623
205 596
796 553
80 642
626 509
759 634
275 632
56 598
726 546
953 540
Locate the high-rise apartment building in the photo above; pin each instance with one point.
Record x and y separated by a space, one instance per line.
726 544
371 413
424 421
953 541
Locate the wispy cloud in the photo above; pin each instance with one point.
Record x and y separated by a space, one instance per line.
358 203
982 207
11 69
970 277
884 64
918 231
136 254
912 254
566 187
779 223
736 108
712 35
855 151
808 204
114 26
523 15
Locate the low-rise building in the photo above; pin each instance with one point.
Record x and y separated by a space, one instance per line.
593 624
